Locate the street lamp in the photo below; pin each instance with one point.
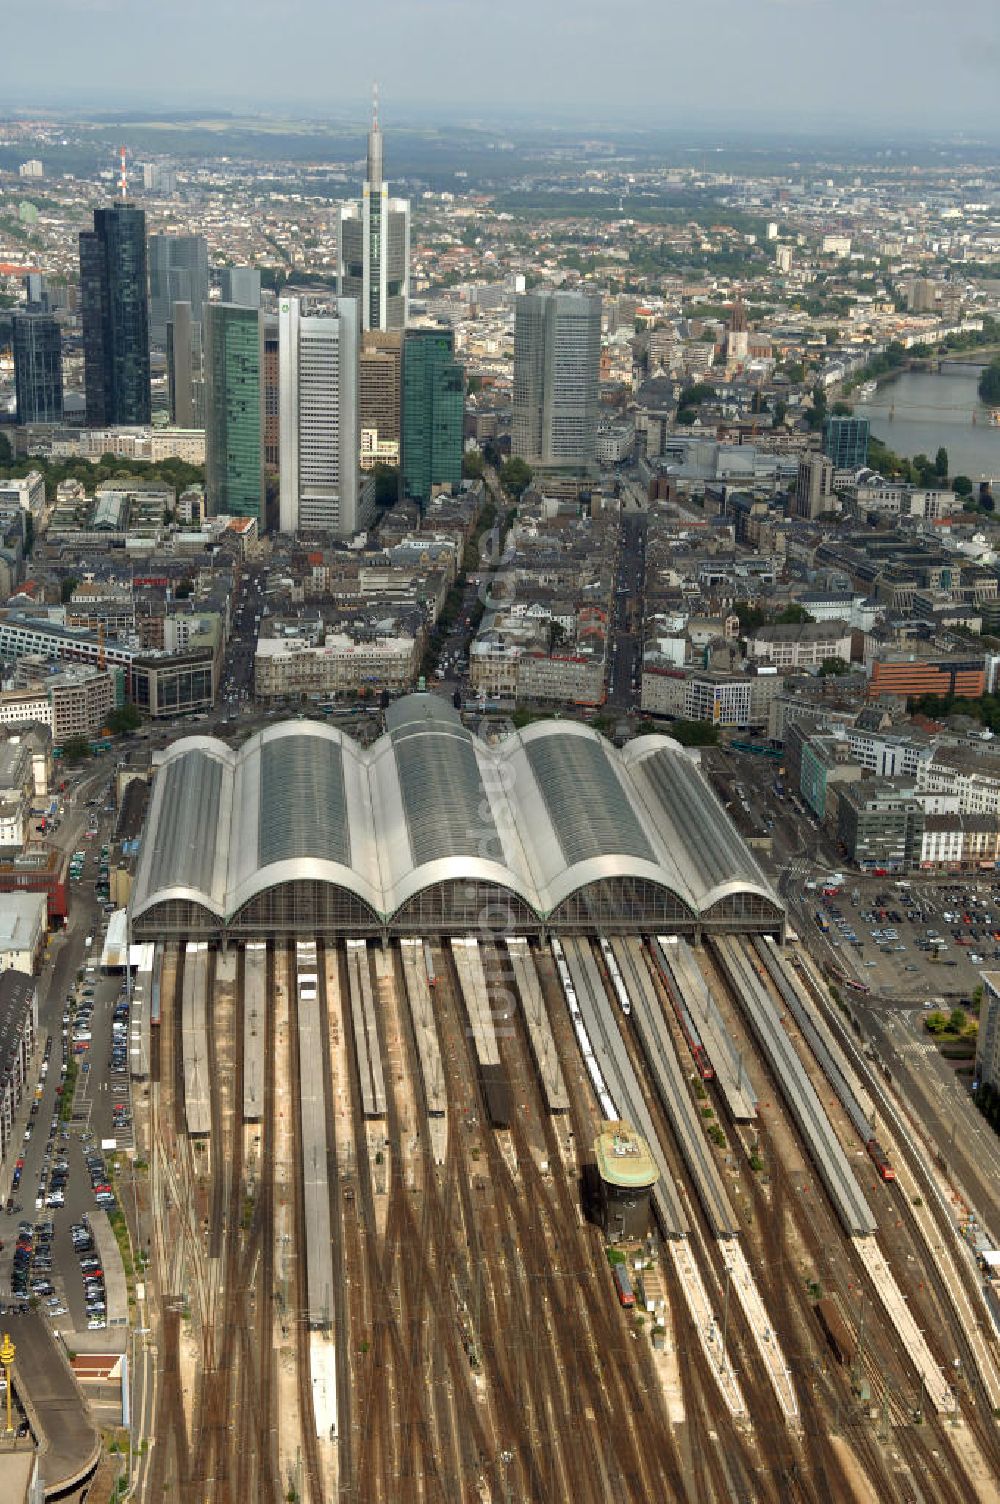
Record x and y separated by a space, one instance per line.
7 1354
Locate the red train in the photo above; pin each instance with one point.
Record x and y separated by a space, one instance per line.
626 1295
880 1159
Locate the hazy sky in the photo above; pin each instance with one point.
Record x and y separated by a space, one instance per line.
810 63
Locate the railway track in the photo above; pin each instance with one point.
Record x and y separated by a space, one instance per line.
312 1473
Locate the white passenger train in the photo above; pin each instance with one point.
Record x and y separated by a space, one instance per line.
589 1059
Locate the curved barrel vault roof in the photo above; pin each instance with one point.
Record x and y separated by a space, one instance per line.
543 813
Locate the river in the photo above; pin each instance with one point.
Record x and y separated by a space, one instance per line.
919 411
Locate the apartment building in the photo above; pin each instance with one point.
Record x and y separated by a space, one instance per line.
293 667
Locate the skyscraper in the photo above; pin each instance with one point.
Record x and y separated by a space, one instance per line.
178 273
373 246
185 368
379 395
272 398
319 431
813 487
115 317
38 381
240 284
845 441
433 411
557 358
234 386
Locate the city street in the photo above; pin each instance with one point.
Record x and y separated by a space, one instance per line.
625 639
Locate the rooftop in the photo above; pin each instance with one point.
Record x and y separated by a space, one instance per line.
543 813
623 1157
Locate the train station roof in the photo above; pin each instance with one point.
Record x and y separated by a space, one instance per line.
543 813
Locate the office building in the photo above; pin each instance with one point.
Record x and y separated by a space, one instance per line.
185 368
557 355
38 382
157 177
905 676
240 285
379 395
272 404
880 824
845 442
178 273
115 317
373 247
432 412
319 432
234 468
36 291
813 487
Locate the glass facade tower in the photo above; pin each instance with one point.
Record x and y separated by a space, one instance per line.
38 381
373 247
115 317
432 412
234 409
178 273
845 442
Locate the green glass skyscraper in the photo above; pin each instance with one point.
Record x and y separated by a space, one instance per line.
234 409
115 317
432 412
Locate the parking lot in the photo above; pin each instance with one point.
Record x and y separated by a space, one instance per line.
915 937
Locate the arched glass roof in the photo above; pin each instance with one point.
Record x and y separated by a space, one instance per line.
543 813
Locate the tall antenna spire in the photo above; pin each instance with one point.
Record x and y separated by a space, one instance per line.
123 182
375 145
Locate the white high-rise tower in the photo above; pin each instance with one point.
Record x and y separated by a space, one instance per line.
319 433
373 246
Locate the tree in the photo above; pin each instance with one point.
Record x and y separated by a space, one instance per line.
941 463
67 587
6 453
75 749
841 410
962 485
694 733
122 722
29 534
515 476
750 618
792 616
473 464
698 392
957 1021
989 382
833 667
